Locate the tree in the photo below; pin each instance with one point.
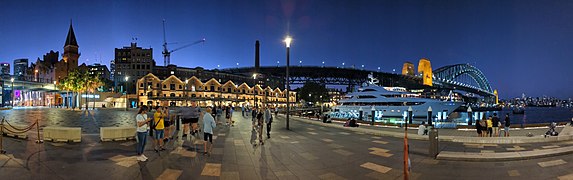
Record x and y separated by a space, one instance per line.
312 92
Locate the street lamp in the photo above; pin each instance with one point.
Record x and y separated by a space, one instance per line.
55 88
126 101
36 74
12 80
300 63
254 92
322 63
277 63
287 41
186 92
343 65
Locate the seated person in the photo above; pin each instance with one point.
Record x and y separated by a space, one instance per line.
351 123
422 130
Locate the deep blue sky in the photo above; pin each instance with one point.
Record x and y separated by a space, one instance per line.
521 46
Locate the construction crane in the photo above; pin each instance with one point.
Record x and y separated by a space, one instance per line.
167 53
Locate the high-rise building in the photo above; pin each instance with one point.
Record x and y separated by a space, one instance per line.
20 67
133 62
112 69
100 70
5 68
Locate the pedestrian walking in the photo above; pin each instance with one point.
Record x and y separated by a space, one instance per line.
489 123
142 128
190 116
208 126
159 133
260 124
167 123
268 120
219 113
254 115
495 124
507 124
483 124
478 128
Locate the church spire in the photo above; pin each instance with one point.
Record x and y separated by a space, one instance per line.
71 38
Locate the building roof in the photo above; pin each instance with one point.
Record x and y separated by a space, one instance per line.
71 38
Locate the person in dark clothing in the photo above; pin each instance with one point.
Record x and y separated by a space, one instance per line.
478 128
507 123
495 124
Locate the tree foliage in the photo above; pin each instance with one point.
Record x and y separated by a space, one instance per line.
312 92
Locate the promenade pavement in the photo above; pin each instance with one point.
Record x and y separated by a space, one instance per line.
307 151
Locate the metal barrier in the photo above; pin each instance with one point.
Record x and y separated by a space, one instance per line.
16 130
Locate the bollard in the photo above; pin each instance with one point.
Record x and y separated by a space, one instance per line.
38 131
429 117
178 123
470 117
2 151
434 143
373 116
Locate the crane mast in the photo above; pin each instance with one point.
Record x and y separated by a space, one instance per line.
167 53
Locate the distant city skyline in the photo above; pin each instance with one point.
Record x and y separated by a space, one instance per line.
521 46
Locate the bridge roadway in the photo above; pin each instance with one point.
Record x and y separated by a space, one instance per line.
352 77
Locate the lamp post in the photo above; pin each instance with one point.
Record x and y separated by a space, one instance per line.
126 101
12 80
55 88
186 92
406 158
429 116
36 75
287 44
254 90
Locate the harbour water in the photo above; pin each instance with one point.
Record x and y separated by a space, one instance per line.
532 115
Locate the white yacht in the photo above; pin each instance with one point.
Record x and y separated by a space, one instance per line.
389 102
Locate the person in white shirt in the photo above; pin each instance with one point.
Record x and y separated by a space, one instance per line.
208 126
142 129
422 129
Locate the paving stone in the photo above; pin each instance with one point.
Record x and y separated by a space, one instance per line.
331 176
230 175
308 156
313 133
513 173
335 146
343 152
487 151
217 151
381 153
380 142
566 177
344 133
327 140
548 147
378 149
551 163
376 167
170 174
283 173
211 169
515 148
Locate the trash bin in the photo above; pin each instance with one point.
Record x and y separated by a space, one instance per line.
434 142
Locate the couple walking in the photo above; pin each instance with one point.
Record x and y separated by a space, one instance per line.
260 118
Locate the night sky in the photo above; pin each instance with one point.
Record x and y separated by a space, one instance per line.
521 46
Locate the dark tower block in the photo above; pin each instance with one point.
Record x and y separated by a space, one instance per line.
257 57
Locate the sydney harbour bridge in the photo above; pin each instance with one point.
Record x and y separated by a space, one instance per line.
462 78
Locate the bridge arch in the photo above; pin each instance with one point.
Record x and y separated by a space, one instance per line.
451 72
